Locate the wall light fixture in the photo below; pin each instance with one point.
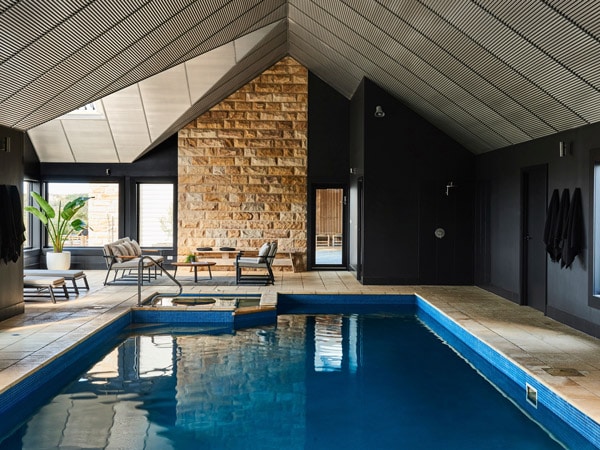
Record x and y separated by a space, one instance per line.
562 149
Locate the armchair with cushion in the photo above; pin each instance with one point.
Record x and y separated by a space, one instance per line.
246 267
124 255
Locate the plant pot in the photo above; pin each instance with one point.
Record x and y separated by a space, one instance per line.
58 261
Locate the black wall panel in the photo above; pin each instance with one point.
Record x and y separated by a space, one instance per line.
568 290
328 135
407 165
328 144
11 273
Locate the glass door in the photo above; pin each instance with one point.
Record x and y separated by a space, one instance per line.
329 226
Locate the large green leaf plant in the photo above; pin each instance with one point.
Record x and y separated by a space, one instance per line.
59 226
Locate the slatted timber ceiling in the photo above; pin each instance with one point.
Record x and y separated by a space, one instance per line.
488 73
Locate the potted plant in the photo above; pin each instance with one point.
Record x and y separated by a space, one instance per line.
59 227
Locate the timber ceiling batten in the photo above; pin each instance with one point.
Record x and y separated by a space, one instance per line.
365 57
506 114
488 73
540 67
150 40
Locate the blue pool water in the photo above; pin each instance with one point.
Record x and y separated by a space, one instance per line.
312 381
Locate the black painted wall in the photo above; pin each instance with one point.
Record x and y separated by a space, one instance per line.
11 273
328 136
568 290
357 166
406 165
328 141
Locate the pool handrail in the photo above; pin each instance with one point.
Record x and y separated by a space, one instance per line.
140 281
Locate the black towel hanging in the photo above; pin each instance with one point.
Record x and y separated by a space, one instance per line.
12 229
551 218
573 232
561 224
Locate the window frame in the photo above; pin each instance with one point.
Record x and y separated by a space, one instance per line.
593 248
121 211
136 219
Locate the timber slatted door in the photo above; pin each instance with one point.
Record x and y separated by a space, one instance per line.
329 226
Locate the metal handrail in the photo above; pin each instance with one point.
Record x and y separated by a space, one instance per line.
141 279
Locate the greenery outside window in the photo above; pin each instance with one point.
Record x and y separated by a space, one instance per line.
101 212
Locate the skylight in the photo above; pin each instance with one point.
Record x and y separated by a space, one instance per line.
91 110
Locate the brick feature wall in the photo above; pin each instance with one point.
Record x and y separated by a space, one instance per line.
242 167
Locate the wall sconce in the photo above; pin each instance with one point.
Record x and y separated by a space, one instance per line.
4 144
562 149
379 111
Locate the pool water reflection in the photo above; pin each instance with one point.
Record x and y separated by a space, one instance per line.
323 381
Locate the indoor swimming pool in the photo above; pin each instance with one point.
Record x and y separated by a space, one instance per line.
321 377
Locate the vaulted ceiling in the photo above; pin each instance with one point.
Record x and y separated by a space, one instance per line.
490 73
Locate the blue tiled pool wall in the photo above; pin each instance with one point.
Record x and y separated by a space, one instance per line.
159 315
560 418
345 299
340 304
255 319
22 399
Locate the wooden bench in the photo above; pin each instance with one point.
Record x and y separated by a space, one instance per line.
227 258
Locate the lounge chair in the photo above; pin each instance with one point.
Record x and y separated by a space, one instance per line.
247 266
69 275
123 257
41 284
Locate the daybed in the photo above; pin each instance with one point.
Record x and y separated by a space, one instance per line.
41 284
124 256
69 275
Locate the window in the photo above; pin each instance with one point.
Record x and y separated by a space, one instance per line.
155 225
595 298
90 111
26 193
101 212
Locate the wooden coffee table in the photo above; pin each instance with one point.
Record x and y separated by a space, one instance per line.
195 265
